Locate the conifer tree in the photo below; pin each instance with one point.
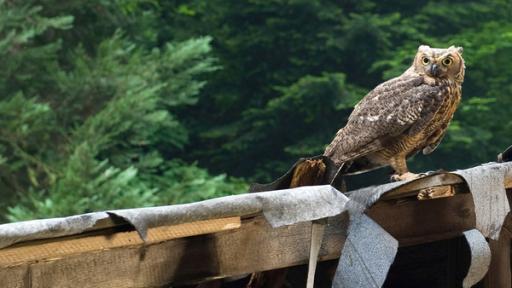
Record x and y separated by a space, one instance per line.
90 126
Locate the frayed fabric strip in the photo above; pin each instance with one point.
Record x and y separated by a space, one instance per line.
369 250
48 228
480 258
279 207
367 256
486 184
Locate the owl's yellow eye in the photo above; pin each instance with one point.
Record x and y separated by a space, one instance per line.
425 60
447 61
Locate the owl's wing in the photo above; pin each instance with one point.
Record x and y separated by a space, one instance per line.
405 104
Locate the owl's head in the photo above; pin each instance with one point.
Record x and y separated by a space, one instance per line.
440 63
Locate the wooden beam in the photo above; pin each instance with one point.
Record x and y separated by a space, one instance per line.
413 222
499 275
108 239
255 246
500 270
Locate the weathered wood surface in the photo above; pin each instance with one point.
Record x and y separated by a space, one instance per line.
109 239
255 246
500 270
413 222
499 275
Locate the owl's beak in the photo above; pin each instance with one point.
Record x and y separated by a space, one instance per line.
434 70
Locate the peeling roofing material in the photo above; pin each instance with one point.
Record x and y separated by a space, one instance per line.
480 258
486 184
281 207
360 266
12 233
367 256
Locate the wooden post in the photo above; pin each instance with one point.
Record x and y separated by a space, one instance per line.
499 275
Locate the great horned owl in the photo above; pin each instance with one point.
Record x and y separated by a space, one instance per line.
404 115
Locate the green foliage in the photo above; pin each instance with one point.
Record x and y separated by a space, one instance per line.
110 104
92 127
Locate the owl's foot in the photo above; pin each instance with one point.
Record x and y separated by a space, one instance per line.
405 176
436 192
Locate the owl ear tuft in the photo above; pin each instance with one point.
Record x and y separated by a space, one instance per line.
458 49
423 47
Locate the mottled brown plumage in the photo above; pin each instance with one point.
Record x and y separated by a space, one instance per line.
404 115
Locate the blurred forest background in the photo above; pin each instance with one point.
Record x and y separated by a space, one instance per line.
128 103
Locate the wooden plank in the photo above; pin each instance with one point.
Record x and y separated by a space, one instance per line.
413 222
58 248
255 246
15 277
499 275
